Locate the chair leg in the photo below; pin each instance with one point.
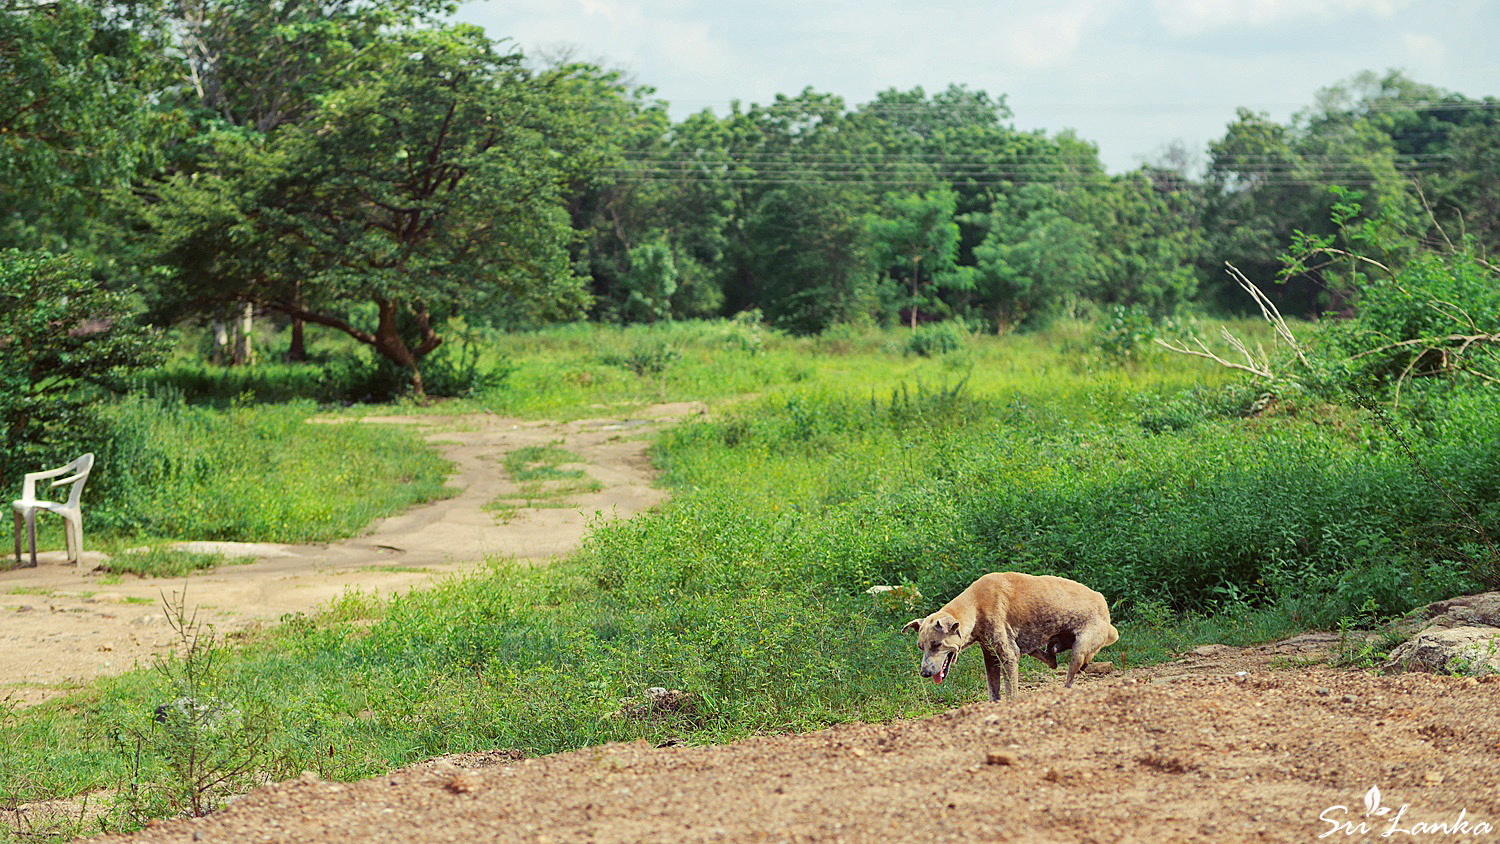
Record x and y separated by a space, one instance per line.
73 533
17 514
31 534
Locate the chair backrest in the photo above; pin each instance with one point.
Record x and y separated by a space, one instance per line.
80 469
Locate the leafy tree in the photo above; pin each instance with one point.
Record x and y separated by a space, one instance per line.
912 229
805 259
1048 248
76 118
261 64
1034 259
1466 196
651 280
1267 180
429 191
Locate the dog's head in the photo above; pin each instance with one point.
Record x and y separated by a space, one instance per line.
939 639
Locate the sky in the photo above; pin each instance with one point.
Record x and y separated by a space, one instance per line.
1129 75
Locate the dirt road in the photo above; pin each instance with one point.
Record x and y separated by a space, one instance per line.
63 625
1238 745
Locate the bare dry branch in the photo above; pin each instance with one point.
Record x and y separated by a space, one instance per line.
1262 372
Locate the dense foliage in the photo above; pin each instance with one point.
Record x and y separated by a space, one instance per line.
367 166
62 340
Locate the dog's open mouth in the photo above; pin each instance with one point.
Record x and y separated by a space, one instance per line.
947 664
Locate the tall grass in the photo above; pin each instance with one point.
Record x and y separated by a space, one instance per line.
171 470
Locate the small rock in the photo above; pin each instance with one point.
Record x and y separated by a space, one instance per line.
1101 668
1348 698
999 759
1052 775
1324 691
464 782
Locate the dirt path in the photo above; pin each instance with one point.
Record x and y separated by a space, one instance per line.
63 625
1263 744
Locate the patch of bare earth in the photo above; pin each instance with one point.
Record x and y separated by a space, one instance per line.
1227 745
63 625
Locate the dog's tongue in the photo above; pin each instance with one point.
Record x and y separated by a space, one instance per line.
938 678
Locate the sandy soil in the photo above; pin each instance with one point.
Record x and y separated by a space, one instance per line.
1224 744
62 625
1232 745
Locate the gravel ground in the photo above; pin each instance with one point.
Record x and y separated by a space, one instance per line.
1226 745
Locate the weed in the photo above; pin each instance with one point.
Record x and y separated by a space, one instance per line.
648 357
204 742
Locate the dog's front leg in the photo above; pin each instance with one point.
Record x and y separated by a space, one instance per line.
1001 666
993 671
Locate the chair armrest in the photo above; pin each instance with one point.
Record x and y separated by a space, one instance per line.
76 477
28 482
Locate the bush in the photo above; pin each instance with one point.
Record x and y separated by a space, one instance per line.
649 356
62 338
934 340
1297 515
1433 317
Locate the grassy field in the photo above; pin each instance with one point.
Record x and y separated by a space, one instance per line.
827 466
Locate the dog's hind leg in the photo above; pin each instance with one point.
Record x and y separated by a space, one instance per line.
1089 640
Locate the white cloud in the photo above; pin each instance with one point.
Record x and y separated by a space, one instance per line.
1050 37
1190 17
1424 49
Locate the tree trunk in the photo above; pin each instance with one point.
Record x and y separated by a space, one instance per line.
244 342
915 261
388 342
220 343
297 353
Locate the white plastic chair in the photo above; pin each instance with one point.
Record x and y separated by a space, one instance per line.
25 508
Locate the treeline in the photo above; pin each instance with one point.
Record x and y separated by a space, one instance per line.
375 169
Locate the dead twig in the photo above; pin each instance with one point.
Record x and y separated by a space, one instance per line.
1260 368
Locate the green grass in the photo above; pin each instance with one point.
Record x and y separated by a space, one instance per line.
828 465
263 473
162 561
541 480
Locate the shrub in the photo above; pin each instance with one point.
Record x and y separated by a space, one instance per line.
62 337
649 356
934 340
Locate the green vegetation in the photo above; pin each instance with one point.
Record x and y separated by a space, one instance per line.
267 473
161 561
844 462
411 209
377 171
172 471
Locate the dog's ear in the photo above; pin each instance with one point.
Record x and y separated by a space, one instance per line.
914 624
949 626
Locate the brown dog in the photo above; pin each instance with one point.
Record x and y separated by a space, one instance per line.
1008 614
